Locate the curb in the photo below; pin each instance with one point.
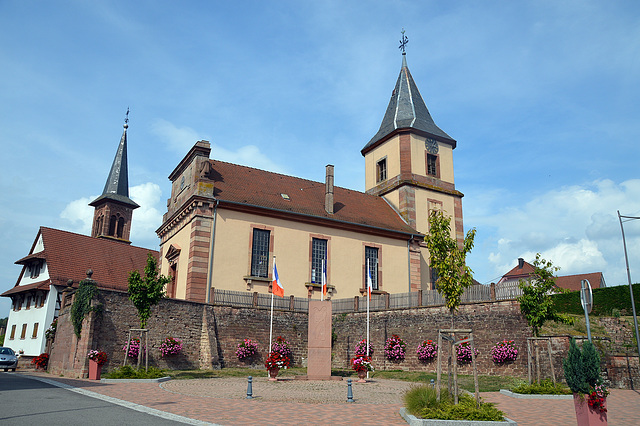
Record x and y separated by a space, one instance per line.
158 380
533 396
414 421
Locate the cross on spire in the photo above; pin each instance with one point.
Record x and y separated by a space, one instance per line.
403 42
126 119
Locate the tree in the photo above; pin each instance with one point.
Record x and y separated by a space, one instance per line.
448 260
535 303
146 292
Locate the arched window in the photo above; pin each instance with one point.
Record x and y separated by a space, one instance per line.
120 227
112 226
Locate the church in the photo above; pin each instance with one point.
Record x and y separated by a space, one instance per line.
227 225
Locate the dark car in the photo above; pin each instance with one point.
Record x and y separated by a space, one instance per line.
8 359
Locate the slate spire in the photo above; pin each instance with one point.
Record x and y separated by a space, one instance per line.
117 186
113 210
407 110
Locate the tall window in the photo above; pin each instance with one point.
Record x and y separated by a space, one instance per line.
13 332
371 259
35 331
318 255
260 253
28 302
432 165
24 331
381 170
112 225
120 227
434 278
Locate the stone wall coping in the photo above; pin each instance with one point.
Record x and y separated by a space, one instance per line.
414 421
533 396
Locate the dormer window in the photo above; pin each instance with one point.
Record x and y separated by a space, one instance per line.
34 269
381 170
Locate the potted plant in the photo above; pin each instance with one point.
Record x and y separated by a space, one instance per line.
427 350
505 351
395 348
361 364
170 346
246 350
41 361
134 348
361 348
96 361
274 363
463 353
582 373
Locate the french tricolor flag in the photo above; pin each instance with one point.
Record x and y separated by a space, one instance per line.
276 287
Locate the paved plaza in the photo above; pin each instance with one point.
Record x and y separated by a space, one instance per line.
293 402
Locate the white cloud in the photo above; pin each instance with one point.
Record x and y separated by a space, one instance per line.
78 215
576 227
147 218
182 139
179 139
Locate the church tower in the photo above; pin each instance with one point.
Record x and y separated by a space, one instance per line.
114 209
409 162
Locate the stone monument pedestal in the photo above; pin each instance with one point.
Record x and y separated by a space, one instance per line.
319 342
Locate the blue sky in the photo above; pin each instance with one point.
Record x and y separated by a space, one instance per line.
541 96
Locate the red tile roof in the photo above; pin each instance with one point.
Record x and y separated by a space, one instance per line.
69 256
518 272
40 285
253 187
573 282
569 282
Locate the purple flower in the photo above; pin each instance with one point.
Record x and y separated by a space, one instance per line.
395 348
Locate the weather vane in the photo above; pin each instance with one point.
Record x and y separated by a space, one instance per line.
126 118
403 42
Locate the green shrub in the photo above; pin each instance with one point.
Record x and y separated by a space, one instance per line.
545 387
582 368
421 402
128 372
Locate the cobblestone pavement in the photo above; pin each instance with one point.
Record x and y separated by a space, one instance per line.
288 402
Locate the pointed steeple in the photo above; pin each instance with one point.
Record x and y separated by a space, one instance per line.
407 110
114 208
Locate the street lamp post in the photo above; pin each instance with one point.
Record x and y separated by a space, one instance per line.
626 258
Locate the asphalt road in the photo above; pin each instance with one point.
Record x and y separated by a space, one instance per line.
27 401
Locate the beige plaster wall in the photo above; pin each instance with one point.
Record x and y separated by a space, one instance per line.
291 246
418 158
181 239
390 149
422 209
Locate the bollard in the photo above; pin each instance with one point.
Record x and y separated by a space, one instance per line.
250 388
349 391
432 384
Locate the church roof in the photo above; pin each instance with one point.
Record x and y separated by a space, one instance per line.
407 110
117 186
69 256
244 187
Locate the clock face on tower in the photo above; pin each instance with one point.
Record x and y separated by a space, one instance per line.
431 146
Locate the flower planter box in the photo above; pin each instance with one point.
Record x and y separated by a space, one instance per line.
586 415
95 370
414 421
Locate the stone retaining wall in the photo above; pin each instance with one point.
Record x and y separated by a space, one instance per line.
211 334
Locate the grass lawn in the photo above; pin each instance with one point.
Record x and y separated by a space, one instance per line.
486 383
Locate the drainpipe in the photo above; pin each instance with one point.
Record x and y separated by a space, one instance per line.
211 247
409 261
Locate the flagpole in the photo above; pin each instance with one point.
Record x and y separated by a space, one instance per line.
271 322
323 282
368 298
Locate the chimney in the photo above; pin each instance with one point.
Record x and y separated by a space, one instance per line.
520 263
328 190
